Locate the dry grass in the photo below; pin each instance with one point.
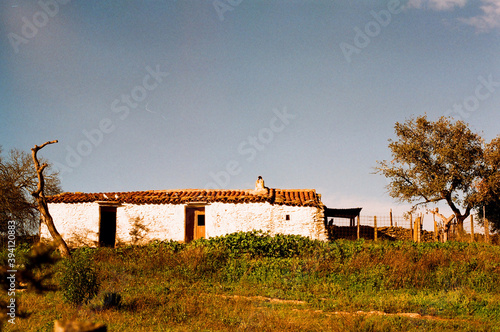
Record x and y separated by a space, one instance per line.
343 286
213 313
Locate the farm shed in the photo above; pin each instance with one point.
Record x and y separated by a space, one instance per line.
350 214
109 219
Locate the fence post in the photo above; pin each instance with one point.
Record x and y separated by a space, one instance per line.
416 230
419 227
435 227
411 227
390 216
358 227
486 227
375 228
471 228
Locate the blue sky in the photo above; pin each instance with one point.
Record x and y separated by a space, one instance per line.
195 94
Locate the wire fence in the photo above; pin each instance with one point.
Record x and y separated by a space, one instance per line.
391 227
382 221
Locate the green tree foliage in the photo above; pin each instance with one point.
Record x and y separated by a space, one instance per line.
489 187
437 161
18 180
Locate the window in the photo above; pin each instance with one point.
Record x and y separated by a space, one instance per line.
201 220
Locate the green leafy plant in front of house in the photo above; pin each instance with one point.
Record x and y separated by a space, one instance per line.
262 244
79 280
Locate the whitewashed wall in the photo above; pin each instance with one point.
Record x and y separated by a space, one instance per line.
161 222
224 218
78 223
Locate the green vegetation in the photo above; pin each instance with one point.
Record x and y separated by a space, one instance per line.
444 161
255 282
79 278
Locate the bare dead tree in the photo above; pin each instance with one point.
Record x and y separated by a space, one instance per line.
42 203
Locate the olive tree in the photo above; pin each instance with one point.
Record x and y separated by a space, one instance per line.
434 161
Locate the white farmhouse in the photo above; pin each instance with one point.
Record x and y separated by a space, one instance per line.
114 218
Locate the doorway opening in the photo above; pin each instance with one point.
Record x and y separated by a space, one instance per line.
195 223
107 226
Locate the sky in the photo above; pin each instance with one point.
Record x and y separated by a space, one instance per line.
171 94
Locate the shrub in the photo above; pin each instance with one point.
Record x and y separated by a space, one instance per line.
79 278
111 300
262 244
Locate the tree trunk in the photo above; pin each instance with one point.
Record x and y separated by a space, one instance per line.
42 203
460 226
47 219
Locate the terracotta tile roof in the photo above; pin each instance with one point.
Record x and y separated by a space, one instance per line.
295 197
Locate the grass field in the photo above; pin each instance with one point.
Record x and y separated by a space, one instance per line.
254 282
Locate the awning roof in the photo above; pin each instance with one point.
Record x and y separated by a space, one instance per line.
342 213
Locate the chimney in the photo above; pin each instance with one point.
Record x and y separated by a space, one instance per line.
259 186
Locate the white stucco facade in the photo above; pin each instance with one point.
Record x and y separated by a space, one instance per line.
79 223
223 218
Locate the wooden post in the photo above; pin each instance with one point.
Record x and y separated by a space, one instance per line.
390 216
411 226
416 229
471 228
435 227
358 226
445 233
486 227
375 228
419 227
415 222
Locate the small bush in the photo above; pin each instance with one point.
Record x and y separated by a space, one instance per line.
111 300
79 278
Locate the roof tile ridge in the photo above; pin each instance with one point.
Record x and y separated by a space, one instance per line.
296 189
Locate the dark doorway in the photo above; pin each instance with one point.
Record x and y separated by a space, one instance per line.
195 223
107 226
